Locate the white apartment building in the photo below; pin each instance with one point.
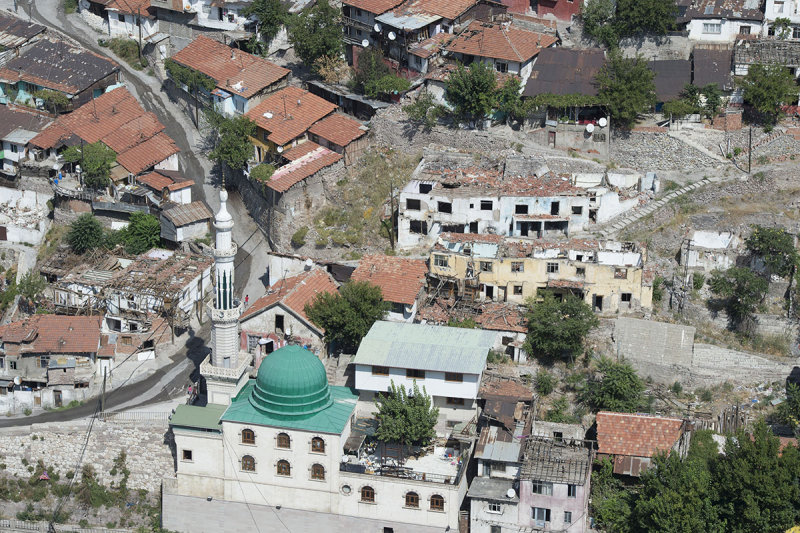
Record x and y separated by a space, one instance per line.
723 22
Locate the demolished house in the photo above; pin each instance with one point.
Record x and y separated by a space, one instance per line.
706 251
608 275
519 196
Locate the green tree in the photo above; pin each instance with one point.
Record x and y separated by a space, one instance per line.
788 411
775 247
424 111
262 172
233 147
142 234
316 32
472 91
558 328
55 100
85 234
757 483
625 85
741 291
509 101
618 388
270 14
406 418
713 100
545 382
598 21
374 78
782 27
670 488
645 17
610 503
766 88
31 285
193 80
348 315
95 160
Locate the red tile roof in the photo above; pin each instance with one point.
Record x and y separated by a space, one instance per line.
158 181
234 70
338 129
375 7
430 46
636 435
296 152
306 166
399 278
289 119
500 41
53 334
116 119
294 293
449 9
131 7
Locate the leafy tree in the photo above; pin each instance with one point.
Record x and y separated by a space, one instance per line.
509 101
626 87
424 111
741 291
775 247
557 328
789 411
611 503
374 78
677 497
262 172
348 315
406 418
95 160
678 108
598 21
713 97
782 27
55 100
472 91
619 388
270 14
545 382
142 234
193 80
757 483
645 17
233 147
31 285
331 69
767 87
85 234
316 32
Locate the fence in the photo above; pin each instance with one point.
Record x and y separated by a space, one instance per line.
24 525
142 416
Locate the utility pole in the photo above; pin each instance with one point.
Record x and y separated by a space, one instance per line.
139 23
103 397
750 151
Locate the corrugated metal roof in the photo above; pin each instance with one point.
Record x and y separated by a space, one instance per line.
425 347
194 416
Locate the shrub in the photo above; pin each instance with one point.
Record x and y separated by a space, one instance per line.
676 388
70 6
698 280
545 382
299 237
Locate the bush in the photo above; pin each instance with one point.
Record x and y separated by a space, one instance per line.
70 6
262 172
676 388
128 50
658 289
495 357
698 280
545 382
299 237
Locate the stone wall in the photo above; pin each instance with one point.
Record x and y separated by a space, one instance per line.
149 458
656 151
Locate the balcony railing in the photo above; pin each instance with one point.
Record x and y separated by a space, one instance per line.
347 21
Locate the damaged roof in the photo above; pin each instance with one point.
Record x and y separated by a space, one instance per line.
233 70
728 9
400 279
52 334
302 167
14 119
58 66
556 462
375 7
185 214
500 41
14 32
294 293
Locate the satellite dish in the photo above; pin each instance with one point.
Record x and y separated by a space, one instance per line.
280 149
511 493
309 263
589 128
365 43
377 27
289 331
603 122
17 380
267 115
392 36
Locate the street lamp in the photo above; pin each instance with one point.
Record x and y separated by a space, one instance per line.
80 178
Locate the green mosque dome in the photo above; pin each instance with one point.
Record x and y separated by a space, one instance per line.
291 382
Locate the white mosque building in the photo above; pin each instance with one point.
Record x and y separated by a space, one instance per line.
284 451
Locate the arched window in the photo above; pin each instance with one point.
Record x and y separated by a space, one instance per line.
248 436
437 503
367 494
248 464
412 499
317 445
284 468
284 441
317 471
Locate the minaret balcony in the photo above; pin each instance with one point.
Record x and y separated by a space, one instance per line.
230 252
225 374
225 315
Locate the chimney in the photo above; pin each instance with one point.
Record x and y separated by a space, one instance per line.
233 55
